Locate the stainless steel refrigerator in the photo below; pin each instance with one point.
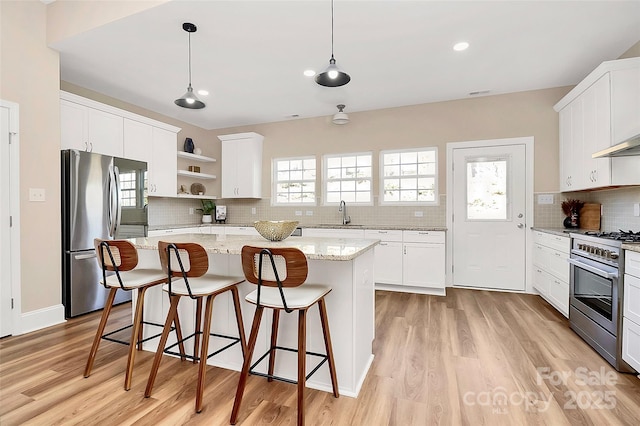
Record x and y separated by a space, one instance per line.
102 197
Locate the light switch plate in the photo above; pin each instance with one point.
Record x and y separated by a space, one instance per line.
309 212
636 209
545 198
298 212
36 194
417 213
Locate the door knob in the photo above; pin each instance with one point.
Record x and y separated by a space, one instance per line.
521 225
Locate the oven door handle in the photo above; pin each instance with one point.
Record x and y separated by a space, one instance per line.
599 272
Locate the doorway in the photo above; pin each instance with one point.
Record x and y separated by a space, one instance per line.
9 220
489 211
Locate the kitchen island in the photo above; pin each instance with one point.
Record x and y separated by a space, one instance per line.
344 264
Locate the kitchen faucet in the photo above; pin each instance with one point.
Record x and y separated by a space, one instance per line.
343 208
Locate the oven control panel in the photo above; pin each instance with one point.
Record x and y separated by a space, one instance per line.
599 251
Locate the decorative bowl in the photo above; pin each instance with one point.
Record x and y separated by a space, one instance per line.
275 230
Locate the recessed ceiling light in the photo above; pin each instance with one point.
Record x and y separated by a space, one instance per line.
309 73
459 47
203 92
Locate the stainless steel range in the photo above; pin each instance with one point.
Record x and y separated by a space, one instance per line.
596 292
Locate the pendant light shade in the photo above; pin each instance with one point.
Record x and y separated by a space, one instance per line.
189 99
332 76
340 117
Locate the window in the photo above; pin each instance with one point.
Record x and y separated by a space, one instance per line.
409 176
128 189
294 180
131 183
347 177
487 189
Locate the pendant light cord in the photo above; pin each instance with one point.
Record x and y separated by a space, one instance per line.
331 29
189 59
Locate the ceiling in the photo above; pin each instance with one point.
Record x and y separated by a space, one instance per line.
250 55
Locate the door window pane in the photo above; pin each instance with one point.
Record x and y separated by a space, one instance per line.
487 197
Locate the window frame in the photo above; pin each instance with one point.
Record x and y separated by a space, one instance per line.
325 179
381 200
275 181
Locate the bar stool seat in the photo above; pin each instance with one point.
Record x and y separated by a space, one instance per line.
136 278
206 284
296 297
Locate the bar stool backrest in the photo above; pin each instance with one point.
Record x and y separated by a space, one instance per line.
186 259
115 255
281 267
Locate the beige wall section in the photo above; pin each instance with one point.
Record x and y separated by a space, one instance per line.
29 76
491 117
632 52
70 17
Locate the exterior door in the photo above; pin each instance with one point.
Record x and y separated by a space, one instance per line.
489 223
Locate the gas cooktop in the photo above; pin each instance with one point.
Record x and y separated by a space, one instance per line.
624 236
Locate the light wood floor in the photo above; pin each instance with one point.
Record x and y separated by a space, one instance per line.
470 358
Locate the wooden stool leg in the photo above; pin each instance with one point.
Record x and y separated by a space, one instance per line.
236 306
135 337
202 370
161 345
274 342
103 322
196 343
242 383
302 365
141 329
176 323
329 348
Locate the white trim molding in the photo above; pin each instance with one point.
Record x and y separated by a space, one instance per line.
41 318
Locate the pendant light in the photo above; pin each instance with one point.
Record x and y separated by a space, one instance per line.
189 99
340 117
332 76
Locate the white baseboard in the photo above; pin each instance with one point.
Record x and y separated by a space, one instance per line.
40 318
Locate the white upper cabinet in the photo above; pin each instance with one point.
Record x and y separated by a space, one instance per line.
88 125
602 110
90 129
625 104
241 165
163 181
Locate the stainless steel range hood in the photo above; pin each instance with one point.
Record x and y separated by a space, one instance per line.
627 148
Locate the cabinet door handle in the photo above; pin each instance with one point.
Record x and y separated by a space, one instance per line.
384 244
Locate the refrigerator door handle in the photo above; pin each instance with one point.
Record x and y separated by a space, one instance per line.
118 207
84 256
112 206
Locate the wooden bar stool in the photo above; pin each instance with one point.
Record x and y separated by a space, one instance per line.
121 257
188 263
288 294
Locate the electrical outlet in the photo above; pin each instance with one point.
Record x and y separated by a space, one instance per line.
253 210
545 198
309 212
298 212
36 194
418 213
192 210
636 209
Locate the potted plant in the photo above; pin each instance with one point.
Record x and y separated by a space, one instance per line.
208 207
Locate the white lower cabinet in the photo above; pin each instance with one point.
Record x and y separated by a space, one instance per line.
410 261
551 269
388 255
631 311
333 233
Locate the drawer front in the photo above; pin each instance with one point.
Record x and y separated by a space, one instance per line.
632 298
541 281
632 263
559 295
556 242
423 236
552 261
631 343
383 235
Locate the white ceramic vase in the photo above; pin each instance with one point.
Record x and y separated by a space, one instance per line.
206 218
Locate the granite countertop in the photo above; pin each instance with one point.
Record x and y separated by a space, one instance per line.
320 226
631 247
313 248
